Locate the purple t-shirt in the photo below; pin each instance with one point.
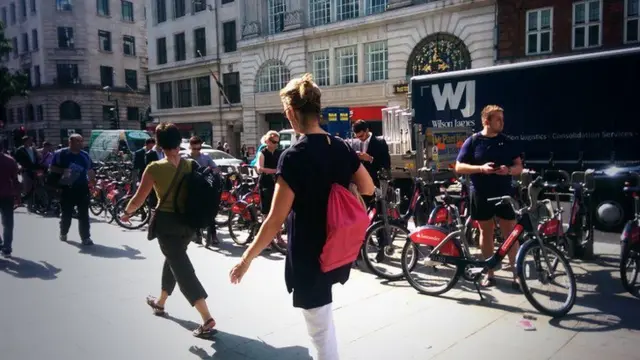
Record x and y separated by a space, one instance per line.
499 150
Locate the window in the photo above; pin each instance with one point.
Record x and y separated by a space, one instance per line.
319 12
320 67
229 32
347 9
377 59
347 65
12 13
131 79
179 8
539 31
34 39
33 6
226 2
10 116
36 76
231 82
179 47
70 110
103 7
4 15
23 9
40 113
165 95
376 6
200 5
203 89
200 41
104 39
161 49
64 5
20 115
161 11
632 21
133 113
184 93
25 43
31 113
26 70
14 46
67 74
106 76
587 27
65 38
129 45
276 11
273 76
127 11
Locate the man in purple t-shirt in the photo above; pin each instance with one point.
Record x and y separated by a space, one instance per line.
490 159
9 191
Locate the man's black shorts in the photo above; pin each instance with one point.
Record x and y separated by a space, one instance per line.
483 210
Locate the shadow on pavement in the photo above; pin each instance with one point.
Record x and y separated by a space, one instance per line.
27 269
107 252
228 346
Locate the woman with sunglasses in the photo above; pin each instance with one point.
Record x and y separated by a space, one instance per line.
266 165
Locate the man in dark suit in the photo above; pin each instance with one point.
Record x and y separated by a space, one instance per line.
139 159
373 151
27 156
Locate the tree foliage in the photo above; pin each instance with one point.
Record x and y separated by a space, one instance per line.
12 83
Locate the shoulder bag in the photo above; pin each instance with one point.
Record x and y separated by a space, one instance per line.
151 233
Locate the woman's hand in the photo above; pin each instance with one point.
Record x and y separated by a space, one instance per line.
238 271
125 217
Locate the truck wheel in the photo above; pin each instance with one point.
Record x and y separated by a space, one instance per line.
608 214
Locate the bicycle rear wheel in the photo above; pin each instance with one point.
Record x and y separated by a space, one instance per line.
629 268
141 216
386 261
415 262
537 264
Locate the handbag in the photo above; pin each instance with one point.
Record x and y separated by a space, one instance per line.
151 231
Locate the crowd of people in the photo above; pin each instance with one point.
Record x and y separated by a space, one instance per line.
295 186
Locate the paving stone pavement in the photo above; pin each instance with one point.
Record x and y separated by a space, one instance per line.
64 302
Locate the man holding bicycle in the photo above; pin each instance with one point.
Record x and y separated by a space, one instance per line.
491 159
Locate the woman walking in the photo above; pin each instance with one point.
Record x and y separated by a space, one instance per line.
266 165
305 173
173 235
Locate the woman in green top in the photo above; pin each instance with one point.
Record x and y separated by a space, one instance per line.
163 176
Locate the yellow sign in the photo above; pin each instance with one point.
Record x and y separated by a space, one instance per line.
344 117
332 117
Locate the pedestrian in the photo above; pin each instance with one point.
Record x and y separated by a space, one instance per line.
27 156
266 166
75 170
174 236
139 159
9 193
490 159
306 171
204 160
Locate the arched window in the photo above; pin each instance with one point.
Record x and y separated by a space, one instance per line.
437 53
70 110
272 76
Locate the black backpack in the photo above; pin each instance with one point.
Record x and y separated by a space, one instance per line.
203 196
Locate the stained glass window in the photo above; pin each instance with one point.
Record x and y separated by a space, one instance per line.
437 53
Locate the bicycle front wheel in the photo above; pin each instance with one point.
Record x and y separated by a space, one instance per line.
427 276
629 268
384 258
533 270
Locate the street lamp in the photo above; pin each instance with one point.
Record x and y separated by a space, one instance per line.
116 124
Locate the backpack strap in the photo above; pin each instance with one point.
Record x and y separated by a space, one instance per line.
194 166
172 185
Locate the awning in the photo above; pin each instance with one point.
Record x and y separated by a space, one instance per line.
368 113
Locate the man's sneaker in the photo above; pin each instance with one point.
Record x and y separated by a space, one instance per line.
6 253
63 237
87 241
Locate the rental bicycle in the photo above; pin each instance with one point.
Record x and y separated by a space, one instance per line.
447 254
630 241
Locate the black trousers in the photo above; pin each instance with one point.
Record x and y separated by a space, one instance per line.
71 197
6 212
174 239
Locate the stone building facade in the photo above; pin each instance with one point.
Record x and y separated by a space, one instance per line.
80 56
361 53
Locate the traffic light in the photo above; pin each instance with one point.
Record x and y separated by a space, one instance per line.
113 123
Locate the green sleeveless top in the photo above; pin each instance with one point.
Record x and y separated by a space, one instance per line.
162 172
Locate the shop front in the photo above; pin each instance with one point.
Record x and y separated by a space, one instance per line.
276 122
371 114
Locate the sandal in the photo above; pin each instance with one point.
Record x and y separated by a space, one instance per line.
488 281
205 330
157 310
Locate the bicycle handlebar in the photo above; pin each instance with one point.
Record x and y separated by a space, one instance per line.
508 199
563 174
